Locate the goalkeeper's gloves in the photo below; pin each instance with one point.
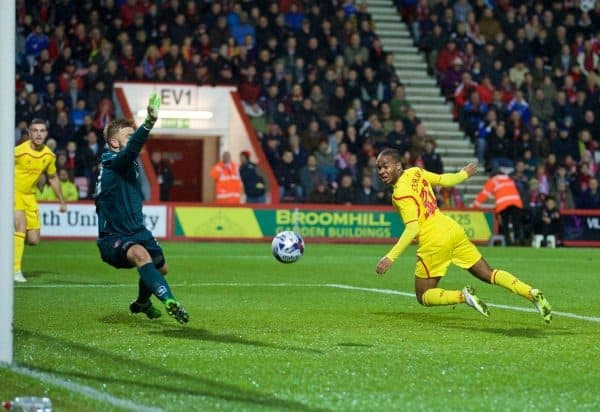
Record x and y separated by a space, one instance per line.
153 106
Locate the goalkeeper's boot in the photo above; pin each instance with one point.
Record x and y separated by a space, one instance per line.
473 300
18 277
541 304
145 308
177 311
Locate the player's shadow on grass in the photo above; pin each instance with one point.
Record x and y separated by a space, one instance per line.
38 273
430 316
455 321
176 382
206 335
354 345
189 332
536 332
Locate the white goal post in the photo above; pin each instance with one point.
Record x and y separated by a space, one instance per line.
7 143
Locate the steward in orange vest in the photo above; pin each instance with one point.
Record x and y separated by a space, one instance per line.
508 205
228 185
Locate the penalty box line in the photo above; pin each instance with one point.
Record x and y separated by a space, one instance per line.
86 391
305 285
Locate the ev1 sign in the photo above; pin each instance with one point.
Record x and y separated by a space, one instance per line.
179 97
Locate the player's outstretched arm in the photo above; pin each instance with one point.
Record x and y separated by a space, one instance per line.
451 179
139 137
153 107
470 169
410 233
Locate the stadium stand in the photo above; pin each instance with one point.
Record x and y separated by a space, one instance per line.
338 80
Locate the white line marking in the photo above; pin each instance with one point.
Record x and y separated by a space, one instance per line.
81 389
579 259
301 285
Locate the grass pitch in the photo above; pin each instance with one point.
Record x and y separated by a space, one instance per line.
268 336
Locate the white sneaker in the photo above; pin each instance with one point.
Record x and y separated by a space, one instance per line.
473 300
18 277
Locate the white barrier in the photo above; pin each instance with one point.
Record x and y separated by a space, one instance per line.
81 220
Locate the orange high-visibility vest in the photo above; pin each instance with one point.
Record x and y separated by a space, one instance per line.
503 189
228 185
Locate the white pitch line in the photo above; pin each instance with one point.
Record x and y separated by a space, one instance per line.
81 389
303 285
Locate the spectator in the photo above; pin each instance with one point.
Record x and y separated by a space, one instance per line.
321 194
67 187
254 183
345 193
499 149
239 30
431 160
450 198
35 42
489 26
590 197
564 145
164 177
288 177
78 114
548 221
399 104
43 190
366 194
541 107
228 185
398 138
520 105
472 114
563 195
62 130
326 161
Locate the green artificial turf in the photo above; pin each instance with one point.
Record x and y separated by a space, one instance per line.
267 336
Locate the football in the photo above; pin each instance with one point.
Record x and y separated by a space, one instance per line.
287 246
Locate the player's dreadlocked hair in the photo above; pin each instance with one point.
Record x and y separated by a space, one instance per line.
114 126
393 153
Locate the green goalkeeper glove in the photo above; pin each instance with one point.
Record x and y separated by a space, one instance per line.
153 106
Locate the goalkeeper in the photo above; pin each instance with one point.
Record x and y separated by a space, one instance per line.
123 240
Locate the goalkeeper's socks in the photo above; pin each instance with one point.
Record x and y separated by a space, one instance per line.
144 292
155 282
509 281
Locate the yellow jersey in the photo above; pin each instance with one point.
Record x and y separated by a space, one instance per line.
29 166
415 200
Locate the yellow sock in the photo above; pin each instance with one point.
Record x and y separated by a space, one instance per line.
510 282
19 241
438 297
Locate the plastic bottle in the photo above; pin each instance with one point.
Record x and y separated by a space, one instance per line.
29 404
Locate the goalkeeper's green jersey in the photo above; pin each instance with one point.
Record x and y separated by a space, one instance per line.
119 190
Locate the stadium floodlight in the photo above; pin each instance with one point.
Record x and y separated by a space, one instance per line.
7 150
180 114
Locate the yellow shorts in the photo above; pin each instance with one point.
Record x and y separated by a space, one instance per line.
450 245
29 205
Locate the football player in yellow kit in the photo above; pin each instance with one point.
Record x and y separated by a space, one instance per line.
441 240
32 158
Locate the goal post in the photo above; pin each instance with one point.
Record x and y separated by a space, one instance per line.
7 142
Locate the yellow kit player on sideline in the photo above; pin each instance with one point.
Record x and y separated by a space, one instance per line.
441 240
32 158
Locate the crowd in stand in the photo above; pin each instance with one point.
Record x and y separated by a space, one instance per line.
525 81
320 90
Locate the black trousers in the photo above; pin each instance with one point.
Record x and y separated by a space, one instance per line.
512 216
